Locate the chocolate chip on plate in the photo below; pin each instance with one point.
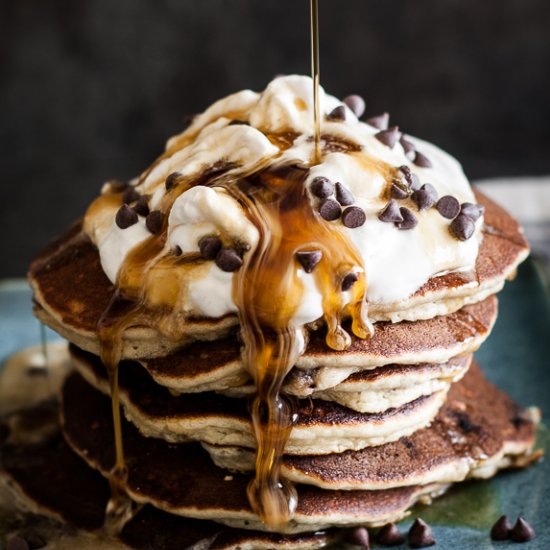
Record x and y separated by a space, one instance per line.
390 535
389 137
125 217
448 206
522 531
130 195
422 160
462 227
408 148
502 529
209 246
330 210
409 219
425 197
391 213
356 103
153 221
379 121
353 217
337 114
474 211
308 259
358 536
172 180
398 191
321 187
142 206
227 259
420 534
348 281
343 194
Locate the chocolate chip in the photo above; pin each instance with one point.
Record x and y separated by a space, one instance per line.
411 179
408 148
153 221
502 529
391 213
209 247
322 187
178 251
142 206
379 121
398 191
356 103
237 122
462 227
522 531
390 535
389 137
125 217
348 281
422 160
228 260
409 219
343 195
425 197
474 211
130 195
448 206
337 114
358 536
330 210
308 259
353 217
172 180
420 534
17 543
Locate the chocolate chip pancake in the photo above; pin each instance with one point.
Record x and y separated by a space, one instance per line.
319 427
477 431
74 309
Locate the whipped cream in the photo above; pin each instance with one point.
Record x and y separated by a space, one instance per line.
397 263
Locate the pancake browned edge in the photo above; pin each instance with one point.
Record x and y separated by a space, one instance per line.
181 479
50 479
71 290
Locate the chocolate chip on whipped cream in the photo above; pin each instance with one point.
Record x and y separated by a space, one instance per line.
391 213
343 195
125 217
379 121
172 180
409 219
448 206
338 114
398 190
462 227
408 148
330 210
474 211
142 206
308 259
411 179
153 221
348 281
353 217
389 137
356 103
422 160
228 260
209 246
130 195
425 197
322 187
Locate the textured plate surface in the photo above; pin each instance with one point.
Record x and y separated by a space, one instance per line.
516 357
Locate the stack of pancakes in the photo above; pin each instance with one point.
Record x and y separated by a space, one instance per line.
389 421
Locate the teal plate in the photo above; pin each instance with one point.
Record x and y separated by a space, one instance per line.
516 358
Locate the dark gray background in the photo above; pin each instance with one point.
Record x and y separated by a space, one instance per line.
90 89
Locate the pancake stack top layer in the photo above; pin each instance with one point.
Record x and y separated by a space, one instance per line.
236 264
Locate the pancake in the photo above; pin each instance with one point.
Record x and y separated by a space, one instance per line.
478 431
320 427
71 291
182 480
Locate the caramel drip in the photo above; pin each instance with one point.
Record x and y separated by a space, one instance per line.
268 291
